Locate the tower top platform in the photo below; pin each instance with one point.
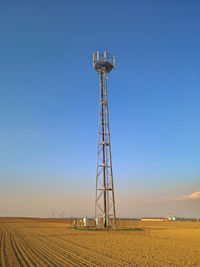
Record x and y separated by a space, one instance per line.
103 61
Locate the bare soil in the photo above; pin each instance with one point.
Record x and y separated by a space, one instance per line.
51 242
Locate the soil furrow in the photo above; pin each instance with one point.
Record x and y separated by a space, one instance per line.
88 257
63 252
92 257
2 258
46 242
28 251
20 259
63 255
85 254
45 253
11 259
99 259
40 257
6 257
58 258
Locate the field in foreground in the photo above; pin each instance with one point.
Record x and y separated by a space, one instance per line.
50 242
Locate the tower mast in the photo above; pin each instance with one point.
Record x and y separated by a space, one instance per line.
104 201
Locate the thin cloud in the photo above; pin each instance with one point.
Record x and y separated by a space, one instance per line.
195 195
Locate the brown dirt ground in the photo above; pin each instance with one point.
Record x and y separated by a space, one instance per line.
51 242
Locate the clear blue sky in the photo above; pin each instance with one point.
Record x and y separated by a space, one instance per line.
49 105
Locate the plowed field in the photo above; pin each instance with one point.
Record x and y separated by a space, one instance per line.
50 242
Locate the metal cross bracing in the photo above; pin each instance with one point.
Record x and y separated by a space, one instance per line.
104 200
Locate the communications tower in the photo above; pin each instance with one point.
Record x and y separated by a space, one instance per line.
103 63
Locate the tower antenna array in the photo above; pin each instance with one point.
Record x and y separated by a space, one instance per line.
103 63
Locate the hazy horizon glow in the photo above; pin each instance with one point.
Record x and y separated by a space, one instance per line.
49 106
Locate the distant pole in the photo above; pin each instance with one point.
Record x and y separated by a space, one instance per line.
104 201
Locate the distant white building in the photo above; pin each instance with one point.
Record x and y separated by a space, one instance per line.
153 219
158 219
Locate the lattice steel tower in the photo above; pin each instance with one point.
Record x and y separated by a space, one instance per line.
104 201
